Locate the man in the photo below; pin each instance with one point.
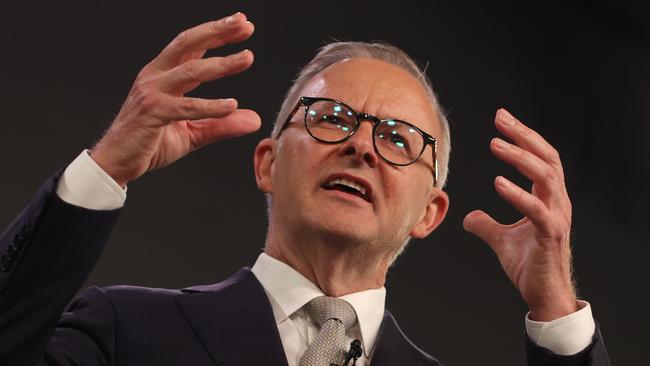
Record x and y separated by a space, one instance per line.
354 169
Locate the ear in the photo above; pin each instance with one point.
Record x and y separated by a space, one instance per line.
263 161
434 214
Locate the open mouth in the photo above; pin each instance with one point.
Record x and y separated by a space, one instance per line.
349 186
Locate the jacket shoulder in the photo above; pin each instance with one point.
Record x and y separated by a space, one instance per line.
394 348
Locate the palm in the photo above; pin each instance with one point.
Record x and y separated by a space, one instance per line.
534 252
158 124
175 141
524 260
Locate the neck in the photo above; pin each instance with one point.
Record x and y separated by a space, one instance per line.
338 267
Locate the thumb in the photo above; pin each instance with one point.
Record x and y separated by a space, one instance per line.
485 227
239 122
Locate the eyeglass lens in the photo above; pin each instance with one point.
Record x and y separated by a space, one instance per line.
396 141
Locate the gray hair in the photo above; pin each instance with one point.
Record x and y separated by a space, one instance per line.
339 51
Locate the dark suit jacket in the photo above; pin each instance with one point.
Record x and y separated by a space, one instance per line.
51 247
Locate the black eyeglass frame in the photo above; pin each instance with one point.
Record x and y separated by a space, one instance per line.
360 116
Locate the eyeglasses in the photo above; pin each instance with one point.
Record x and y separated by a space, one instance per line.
397 142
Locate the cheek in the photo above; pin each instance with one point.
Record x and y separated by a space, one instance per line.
399 185
392 179
297 160
303 157
408 196
398 200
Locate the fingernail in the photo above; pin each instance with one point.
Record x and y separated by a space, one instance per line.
506 117
501 182
230 102
233 18
242 54
500 143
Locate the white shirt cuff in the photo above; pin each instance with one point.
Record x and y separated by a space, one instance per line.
567 335
86 184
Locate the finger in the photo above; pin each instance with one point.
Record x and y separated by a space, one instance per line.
191 74
238 123
526 203
485 227
234 28
175 109
547 183
528 139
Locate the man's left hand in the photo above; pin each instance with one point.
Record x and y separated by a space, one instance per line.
535 252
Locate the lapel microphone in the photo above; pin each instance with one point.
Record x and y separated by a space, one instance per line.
354 353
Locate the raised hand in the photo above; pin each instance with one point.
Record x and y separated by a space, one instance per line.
157 124
535 251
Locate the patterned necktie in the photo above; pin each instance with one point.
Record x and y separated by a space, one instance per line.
334 316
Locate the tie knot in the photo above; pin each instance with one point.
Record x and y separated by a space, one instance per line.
324 308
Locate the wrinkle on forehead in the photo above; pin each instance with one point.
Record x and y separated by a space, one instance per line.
378 88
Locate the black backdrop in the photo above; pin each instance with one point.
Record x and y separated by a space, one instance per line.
578 72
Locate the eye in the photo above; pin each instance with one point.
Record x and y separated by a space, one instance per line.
334 121
330 118
398 140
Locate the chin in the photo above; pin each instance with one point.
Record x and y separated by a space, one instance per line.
342 229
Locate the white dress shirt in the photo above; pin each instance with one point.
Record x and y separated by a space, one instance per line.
289 291
85 184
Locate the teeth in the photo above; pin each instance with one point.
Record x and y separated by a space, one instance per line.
347 183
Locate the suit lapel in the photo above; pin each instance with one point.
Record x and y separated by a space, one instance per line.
393 348
234 321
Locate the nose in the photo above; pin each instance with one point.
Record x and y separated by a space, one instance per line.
360 147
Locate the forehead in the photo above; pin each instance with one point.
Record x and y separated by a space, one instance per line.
378 88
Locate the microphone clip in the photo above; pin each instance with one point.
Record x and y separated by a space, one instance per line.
354 353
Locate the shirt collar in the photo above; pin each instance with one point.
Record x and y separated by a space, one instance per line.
289 291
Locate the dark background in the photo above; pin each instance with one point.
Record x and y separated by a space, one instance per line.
578 72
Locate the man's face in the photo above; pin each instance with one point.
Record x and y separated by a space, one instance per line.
398 198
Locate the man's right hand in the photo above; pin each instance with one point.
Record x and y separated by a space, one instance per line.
157 125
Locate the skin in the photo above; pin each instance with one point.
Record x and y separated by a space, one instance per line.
157 124
340 242
535 252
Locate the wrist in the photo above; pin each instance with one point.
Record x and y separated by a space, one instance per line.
555 310
100 159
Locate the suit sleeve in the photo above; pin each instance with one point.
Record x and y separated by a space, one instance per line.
46 254
594 355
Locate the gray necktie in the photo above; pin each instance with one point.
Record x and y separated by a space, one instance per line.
334 316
